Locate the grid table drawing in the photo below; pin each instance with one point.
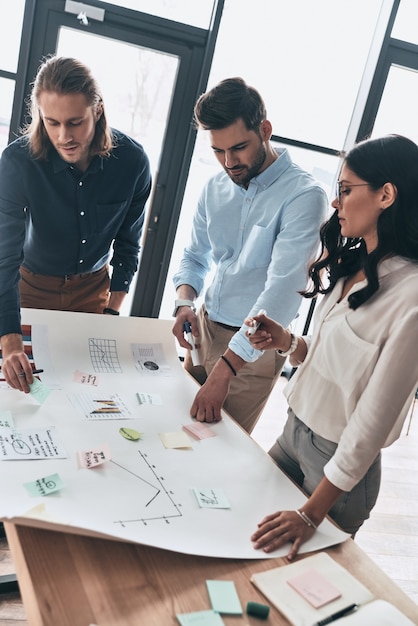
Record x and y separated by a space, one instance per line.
104 356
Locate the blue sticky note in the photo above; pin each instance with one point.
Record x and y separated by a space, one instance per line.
224 597
200 618
45 485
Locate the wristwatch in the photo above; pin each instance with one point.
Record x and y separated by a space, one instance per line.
179 303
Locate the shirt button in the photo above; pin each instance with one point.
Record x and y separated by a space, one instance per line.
83 241
81 261
81 212
120 264
125 282
80 183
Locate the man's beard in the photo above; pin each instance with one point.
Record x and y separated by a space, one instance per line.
251 171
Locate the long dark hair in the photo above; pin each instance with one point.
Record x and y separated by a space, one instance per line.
391 159
64 75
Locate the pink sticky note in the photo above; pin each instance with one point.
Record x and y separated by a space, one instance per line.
85 379
96 456
199 430
314 587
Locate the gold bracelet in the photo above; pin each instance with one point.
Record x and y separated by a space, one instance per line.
306 519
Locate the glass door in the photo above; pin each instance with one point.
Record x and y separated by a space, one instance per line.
137 84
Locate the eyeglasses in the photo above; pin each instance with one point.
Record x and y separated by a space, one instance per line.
348 186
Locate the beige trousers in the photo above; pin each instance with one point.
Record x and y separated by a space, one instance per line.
251 387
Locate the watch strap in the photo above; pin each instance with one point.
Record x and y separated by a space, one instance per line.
179 303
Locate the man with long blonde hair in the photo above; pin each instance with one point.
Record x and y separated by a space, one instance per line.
72 202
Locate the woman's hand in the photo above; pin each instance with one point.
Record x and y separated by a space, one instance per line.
270 335
280 528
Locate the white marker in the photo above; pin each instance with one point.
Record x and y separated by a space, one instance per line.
252 329
187 327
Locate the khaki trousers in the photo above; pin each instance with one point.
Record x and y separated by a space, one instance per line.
253 384
86 293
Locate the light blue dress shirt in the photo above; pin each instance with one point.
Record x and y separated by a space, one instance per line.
261 240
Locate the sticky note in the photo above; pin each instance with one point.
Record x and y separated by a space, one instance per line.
224 597
85 379
94 457
198 430
44 486
130 434
39 390
211 498
6 419
148 398
200 618
175 440
314 587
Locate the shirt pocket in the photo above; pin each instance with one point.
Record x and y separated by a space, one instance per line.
109 217
346 358
257 249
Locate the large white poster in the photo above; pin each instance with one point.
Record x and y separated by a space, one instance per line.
105 445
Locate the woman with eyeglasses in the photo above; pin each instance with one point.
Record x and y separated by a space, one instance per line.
358 372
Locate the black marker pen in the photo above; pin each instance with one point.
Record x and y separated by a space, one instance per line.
337 615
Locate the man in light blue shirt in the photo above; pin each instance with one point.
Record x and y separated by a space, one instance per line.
258 222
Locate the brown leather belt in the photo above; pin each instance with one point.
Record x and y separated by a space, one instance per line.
235 329
68 276
80 276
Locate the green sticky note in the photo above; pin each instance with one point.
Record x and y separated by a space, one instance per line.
200 618
39 390
6 419
224 597
130 434
44 486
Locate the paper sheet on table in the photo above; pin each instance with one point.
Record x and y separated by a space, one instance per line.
144 492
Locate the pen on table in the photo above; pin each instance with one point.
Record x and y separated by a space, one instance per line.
337 615
187 328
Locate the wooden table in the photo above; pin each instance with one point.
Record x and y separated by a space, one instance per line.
71 580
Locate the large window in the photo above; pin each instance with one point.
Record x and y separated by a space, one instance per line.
9 55
313 62
300 56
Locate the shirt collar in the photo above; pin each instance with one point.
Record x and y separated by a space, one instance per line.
275 170
59 165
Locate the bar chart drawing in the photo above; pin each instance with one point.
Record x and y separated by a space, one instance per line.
100 407
104 356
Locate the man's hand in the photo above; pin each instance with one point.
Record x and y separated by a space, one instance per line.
212 394
15 367
210 398
185 314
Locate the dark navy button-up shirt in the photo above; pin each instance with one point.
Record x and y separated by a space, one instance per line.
56 220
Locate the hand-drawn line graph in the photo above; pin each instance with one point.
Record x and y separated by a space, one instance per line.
104 356
155 502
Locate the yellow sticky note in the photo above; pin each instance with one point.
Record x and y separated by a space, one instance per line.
175 440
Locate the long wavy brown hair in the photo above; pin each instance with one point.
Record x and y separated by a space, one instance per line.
65 75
